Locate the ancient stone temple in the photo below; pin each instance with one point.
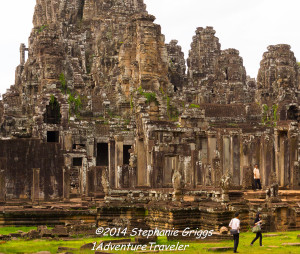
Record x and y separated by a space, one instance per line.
103 109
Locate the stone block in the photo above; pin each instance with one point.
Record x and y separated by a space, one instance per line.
145 240
60 231
224 230
33 234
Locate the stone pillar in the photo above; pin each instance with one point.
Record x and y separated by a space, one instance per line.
2 186
226 154
212 147
193 164
293 160
22 53
283 158
141 163
90 148
244 150
111 163
263 155
277 151
68 142
118 159
35 194
236 158
83 178
66 183
64 110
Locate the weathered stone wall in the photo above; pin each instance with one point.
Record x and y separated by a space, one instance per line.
177 65
143 56
277 78
22 157
218 75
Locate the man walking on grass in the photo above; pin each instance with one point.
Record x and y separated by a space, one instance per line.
235 231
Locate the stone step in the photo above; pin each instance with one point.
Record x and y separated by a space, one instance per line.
271 235
291 244
217 249
65 249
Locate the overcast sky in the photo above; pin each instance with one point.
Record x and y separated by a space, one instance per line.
247 25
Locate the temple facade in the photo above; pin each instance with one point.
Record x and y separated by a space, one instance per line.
102 106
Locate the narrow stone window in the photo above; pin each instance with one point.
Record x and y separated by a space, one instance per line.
52 136
77 162
81 7
52 114
126 154
292 113
102 154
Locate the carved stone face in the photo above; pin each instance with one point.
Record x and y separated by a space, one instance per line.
278 68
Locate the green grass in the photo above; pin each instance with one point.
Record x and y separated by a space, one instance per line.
23 246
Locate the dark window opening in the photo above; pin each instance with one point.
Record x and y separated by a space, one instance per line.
226 74
52 136
52 114
126 154
80 11
77 162
292 113
102 154
283 115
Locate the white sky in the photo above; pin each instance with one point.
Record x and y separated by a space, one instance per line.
247 25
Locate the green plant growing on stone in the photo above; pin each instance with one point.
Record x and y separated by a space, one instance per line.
194 106
171 63
131 102
55 108
75 103
140 90
269 115
42 28
275 109
52 100
172 111
150 97
63 82
110 113
265 115
127 121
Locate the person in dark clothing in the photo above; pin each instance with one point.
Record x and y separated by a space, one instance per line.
257 221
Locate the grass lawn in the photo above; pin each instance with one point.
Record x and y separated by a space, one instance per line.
271 244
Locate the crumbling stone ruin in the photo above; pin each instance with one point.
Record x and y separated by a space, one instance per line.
103 108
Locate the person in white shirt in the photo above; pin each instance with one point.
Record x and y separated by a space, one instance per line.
256 173
235 230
